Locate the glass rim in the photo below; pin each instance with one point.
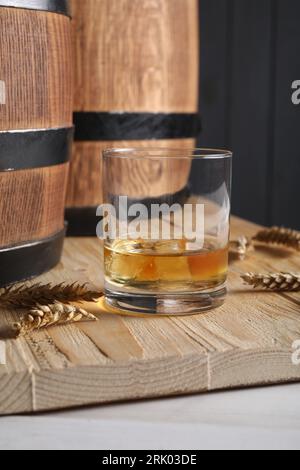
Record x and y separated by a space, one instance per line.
168 153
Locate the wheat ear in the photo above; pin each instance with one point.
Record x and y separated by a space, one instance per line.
45 316
288 282
240 246
29 296
279 236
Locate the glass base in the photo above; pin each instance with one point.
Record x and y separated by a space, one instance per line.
170 304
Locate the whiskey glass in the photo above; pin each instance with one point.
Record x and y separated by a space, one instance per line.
165 222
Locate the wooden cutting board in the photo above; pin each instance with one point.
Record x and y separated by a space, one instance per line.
246 342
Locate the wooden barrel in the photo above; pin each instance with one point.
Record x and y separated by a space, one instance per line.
136 85
35 134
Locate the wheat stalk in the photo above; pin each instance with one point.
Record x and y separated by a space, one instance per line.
288 282
279 236
44 316
29 296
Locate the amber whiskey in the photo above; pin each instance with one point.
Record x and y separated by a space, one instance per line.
165 266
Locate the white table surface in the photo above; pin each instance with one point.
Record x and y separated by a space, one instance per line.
262 418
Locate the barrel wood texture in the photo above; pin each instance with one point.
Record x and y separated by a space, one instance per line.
246 342
144 52
35 132
86 164
35 65
136 85
34 203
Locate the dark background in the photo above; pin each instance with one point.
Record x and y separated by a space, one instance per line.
250 56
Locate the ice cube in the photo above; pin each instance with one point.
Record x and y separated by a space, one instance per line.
173 268
170 247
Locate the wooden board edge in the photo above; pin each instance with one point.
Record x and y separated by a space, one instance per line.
251 367
48 390
16 393
82 386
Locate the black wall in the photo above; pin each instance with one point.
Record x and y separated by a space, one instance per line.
250 56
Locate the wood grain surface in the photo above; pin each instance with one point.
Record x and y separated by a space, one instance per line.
136 55
85 181
32 204
246 342
35 65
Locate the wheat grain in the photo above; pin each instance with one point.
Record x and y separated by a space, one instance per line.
240 246
279 236
29 296
288 282
44 316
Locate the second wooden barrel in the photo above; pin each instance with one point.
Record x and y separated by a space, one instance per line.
136 84
35 134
